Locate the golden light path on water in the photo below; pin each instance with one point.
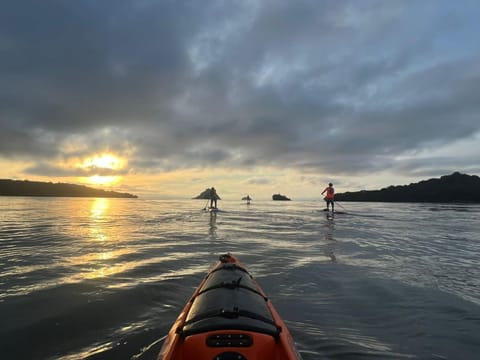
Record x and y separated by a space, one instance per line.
98 249
104 263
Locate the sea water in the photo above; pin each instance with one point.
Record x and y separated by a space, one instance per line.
84 278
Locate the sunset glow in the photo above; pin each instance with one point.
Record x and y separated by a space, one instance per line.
102 167
103 180
104 161
167 121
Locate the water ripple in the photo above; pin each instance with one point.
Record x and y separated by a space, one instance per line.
105 278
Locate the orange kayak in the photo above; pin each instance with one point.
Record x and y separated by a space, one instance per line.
229 317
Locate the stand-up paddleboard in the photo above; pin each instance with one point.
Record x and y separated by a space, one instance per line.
334 212
229 317
213 210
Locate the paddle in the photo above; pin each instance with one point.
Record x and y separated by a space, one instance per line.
153 348
336 202
205 208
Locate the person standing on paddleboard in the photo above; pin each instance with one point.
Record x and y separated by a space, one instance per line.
213 198
330 196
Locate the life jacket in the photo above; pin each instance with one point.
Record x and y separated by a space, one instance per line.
330 192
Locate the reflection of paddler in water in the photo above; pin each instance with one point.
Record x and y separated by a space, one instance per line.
213 224
329 240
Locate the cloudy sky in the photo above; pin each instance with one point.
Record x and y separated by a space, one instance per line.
165 98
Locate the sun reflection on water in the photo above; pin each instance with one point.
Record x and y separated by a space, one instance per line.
98 256
99 208
98 213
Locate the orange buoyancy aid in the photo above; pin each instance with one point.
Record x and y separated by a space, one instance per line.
330 192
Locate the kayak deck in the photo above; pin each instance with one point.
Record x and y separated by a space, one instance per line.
229 317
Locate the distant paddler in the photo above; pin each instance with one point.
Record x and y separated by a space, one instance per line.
329 198
213 198
248 198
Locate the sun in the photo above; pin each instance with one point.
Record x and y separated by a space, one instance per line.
103 168
104 161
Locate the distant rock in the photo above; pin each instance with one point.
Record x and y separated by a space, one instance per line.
280 197
206 195
457 187
38 188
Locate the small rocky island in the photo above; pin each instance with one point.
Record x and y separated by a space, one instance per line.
206 195
280 197
454 188
38 188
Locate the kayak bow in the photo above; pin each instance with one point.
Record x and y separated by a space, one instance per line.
229 317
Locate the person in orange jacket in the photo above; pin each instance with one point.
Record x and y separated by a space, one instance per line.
330 196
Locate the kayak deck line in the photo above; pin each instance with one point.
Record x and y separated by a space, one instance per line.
231 284
229 317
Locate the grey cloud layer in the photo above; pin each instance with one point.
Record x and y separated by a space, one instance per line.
343 86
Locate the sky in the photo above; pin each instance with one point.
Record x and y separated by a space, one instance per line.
165 98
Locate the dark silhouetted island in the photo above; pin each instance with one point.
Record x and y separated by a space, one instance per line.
454 188
280 197
205 195
38 188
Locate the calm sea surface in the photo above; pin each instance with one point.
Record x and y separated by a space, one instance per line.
105 278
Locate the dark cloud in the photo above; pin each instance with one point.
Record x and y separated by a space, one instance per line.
343 87
49 170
